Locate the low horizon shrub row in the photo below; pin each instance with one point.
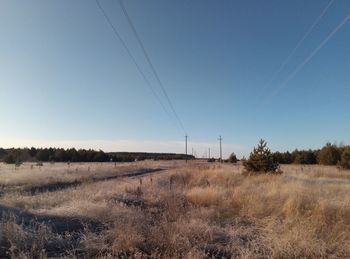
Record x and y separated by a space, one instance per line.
330 154
20 155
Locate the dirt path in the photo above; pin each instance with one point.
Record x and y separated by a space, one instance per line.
61 224
56 186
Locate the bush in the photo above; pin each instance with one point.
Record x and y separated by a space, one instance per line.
101 157
329 155
18 163
232 158
345 159
43 155
306 157
9 159
261 160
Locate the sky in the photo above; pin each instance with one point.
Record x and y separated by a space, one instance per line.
67 81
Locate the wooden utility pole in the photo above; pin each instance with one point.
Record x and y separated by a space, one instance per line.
220 139
209 153
186 146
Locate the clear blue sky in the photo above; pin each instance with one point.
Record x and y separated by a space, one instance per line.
66 80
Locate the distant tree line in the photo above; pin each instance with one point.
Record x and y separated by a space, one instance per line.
262 160
19 155
330 154
131 156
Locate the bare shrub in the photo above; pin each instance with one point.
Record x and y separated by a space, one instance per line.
18 241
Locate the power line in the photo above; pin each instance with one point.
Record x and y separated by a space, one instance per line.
151 64
116 33
307 60
308 32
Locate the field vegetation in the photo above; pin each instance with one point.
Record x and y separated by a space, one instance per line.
173 210
20 155
330 154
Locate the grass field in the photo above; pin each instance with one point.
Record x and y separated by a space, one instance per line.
173 209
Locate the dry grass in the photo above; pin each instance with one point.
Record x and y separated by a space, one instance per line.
30 174
192 210
205 196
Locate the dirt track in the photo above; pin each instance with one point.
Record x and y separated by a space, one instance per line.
62 224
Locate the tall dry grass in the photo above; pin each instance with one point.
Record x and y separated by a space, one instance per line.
199 210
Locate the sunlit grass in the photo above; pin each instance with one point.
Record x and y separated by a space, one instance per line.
191 210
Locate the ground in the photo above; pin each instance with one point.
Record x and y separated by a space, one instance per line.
173 209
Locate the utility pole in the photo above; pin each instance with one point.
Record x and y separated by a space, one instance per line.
220 139
186 146
209 154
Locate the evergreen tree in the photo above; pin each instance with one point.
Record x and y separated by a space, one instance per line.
60 155
345 158
43 155
100 157
32 151
232 158
329 155
307 157
9 159
261 160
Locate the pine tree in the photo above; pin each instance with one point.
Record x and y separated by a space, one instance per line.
232 158
345 158
329 155
261 160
